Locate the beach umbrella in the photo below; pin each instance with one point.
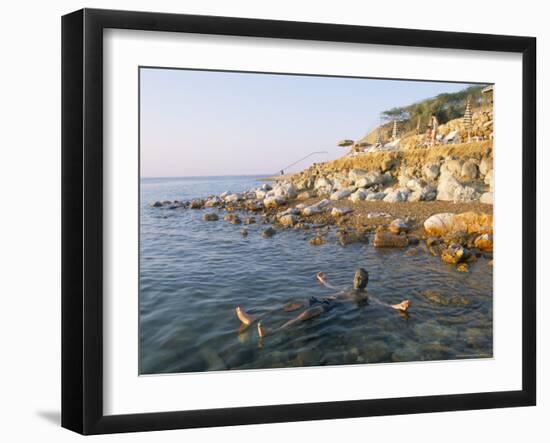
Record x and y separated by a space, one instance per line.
346 142
468 120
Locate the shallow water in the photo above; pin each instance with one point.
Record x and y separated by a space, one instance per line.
194 273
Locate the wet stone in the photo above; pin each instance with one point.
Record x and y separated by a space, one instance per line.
269 232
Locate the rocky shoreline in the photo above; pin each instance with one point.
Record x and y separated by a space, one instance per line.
400 207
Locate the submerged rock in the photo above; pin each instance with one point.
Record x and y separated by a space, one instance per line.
454 254
196 204
389 240
346 237
269 232
210 217
233 219
157 204
288 220
317 240
244 232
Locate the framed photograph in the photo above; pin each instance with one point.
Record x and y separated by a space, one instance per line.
269 221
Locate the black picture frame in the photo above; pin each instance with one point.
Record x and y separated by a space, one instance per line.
82 218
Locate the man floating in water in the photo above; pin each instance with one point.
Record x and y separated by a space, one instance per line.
316 307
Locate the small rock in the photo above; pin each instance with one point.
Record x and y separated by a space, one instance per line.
346 237
454 254
398 226
269 232
469 170
157 204
358 195
210 217
462 267
484 242
249 220
339 212
233 219
389 240
244 232
288 220
317 240
274 202
196 204
339 195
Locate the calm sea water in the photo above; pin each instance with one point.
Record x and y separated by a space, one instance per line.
194 273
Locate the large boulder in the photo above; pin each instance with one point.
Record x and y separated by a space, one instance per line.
470 222
447 186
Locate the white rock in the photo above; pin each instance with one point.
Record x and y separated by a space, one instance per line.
358 195
260 194
396 195
375 196
439 224
357 174
465 194
487 198
232 198
339 212
339 195
322 183
447 186
274 202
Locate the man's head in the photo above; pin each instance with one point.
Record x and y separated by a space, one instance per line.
360 279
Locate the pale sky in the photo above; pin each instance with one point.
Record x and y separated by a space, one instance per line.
200 123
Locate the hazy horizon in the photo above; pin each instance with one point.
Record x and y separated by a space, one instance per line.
211 123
